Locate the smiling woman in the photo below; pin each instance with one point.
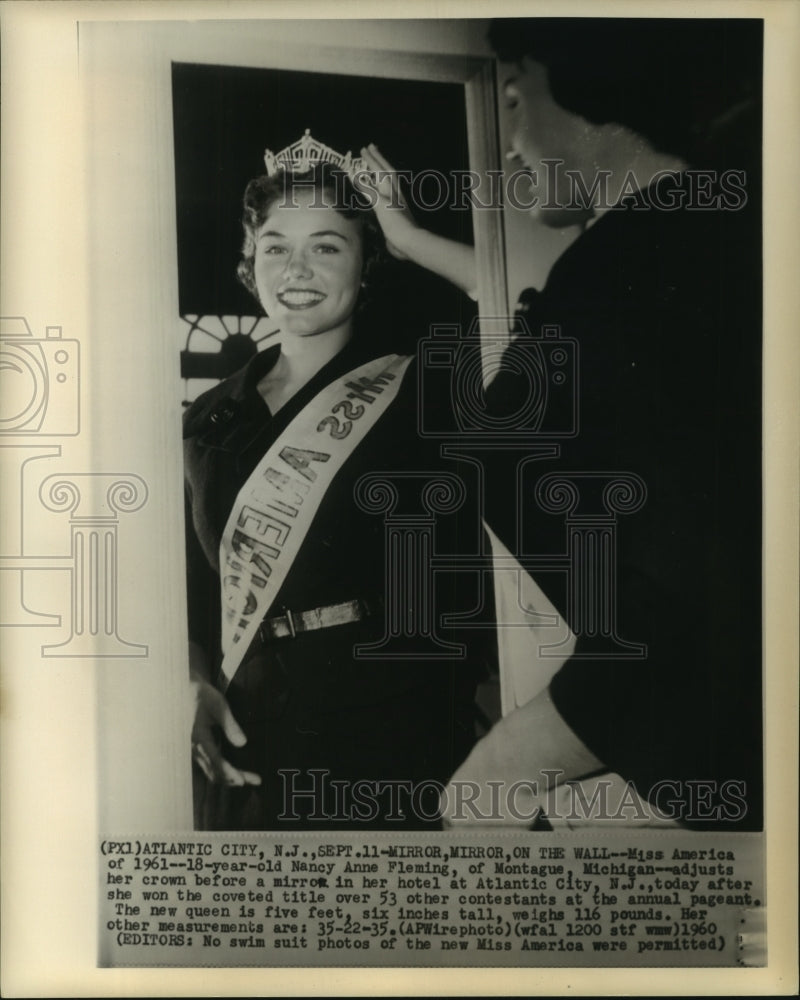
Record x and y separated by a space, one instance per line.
304 258
291 591
308 278
303 253
247 108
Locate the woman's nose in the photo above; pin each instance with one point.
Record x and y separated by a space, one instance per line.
298 266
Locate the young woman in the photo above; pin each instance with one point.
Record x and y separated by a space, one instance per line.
328 692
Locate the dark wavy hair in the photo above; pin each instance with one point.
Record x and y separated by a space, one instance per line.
336 190
680 83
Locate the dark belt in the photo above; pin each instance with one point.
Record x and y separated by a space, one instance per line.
291 623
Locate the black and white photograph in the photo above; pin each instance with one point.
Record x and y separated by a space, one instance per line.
616 445
398 497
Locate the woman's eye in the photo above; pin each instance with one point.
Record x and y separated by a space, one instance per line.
274 250
326 248
511 98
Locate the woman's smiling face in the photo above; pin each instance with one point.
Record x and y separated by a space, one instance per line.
547 141
308 264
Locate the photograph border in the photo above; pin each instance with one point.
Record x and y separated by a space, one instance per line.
52 276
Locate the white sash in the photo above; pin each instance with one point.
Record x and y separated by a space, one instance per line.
533 643
276 506
533 639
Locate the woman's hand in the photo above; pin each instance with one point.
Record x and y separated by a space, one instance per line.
382 185
404 238
212 714
508 778
493 786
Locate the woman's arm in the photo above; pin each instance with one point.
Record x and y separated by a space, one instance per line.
212 716
404 238
531 746
211 713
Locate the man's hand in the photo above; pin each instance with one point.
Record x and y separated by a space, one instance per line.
212 715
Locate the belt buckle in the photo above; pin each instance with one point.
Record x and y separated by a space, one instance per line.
290 622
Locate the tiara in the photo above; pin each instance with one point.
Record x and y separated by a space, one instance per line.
306 153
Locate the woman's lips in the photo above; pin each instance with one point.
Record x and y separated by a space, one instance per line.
300 298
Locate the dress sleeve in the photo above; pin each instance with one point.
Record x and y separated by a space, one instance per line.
202 590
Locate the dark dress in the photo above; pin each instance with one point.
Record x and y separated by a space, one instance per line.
666 309
315 714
